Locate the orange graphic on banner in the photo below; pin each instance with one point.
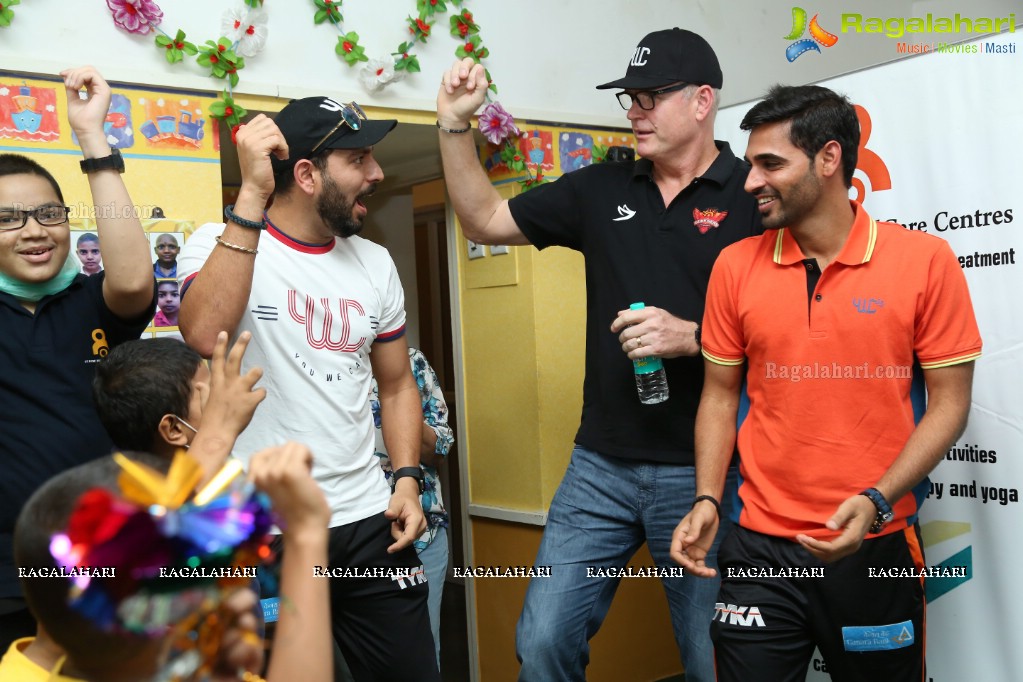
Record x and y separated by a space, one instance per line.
869 162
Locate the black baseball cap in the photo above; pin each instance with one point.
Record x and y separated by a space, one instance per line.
670 56
313 124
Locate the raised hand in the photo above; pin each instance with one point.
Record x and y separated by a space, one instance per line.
231 398
283 472
463 88
86 116
257 140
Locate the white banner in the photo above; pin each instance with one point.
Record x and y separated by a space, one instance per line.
943 155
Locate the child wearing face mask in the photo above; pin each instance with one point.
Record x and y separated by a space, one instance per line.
57 322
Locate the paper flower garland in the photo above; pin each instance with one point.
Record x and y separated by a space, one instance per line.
246 28
498 126
375 74
136 16
6 13
244 31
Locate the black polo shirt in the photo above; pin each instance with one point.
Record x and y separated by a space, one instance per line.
638 250
48 423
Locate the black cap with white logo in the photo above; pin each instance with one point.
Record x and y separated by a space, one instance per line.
314 124
667 57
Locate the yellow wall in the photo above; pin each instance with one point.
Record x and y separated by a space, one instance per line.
523 340
635 643
179 173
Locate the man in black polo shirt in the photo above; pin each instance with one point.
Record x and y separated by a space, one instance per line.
57 323
650 231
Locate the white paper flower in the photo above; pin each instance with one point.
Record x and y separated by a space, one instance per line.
247 27
378 73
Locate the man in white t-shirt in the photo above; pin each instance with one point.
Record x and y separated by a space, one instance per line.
318 301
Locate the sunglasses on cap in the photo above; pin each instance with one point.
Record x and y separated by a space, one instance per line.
352 115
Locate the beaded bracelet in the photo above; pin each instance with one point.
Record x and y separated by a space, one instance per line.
235 247
454 130
237 219
712 500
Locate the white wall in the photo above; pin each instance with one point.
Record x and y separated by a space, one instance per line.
545 56
389 223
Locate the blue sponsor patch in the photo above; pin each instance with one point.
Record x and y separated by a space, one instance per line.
878 637
271 607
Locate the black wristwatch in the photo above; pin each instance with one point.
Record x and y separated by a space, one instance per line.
884 510
409 472
112 162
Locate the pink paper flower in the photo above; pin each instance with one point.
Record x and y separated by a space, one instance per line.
496 124
136 16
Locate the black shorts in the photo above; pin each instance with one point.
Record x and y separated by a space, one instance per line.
867 625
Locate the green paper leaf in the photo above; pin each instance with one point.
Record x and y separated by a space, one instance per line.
173 56
179 36
163 41
320 16
217 108
203 59
461 53
352 37
233 79
189 48
413 64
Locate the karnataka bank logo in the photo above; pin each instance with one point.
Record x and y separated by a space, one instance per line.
818 36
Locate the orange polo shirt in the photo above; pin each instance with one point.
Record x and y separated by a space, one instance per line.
834 378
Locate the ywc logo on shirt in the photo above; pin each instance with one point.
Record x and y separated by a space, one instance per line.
745 616
322 336
867 306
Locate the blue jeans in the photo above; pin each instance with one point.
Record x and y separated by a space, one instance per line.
602 512
435 563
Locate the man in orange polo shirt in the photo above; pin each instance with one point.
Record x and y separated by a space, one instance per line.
838 323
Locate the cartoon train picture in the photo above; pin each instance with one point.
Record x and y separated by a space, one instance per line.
184 128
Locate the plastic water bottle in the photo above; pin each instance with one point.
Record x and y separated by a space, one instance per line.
651 381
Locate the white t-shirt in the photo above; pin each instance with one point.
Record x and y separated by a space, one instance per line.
314 313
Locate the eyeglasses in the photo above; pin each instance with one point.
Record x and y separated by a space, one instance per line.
352 115
48 216
184 423
645 98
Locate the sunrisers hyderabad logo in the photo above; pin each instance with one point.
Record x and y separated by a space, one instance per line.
706 219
